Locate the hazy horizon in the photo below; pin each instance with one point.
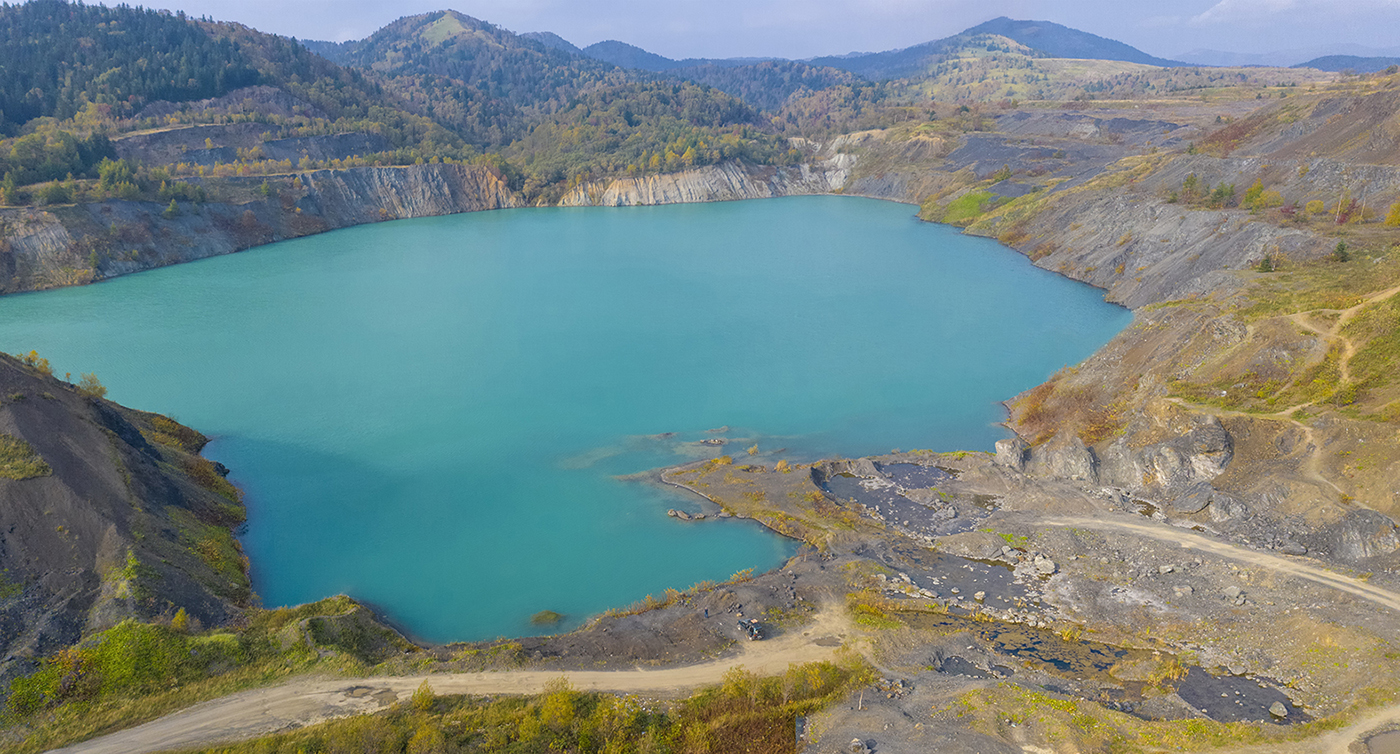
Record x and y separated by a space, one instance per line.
801 29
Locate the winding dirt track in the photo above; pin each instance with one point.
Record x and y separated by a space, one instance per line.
1276 563
259 712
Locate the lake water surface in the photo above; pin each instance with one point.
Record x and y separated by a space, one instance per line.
433 415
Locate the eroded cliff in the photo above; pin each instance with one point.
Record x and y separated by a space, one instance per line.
76 244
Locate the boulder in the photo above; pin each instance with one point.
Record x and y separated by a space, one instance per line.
1277 709
1361 534
1045 566
1012 453
1193 500
1065 457
865 467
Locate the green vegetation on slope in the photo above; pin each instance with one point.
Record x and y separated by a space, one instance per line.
139 671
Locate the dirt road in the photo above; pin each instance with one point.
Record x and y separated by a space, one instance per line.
1276 563
258 712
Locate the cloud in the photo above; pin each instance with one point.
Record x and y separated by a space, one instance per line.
1229 11
1255 11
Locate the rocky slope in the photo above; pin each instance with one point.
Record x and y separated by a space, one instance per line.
105 513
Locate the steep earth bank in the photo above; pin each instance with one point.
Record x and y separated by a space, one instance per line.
105 514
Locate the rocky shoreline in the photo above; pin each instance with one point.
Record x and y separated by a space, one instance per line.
1127 547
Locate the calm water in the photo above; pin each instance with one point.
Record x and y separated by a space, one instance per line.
433 415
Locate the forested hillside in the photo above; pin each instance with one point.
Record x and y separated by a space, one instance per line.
103 103
439 86
59 57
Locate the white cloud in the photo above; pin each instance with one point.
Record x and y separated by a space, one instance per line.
1256 11
1227 11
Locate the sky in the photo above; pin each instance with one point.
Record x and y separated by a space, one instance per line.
808 28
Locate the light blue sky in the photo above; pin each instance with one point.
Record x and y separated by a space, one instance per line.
806 28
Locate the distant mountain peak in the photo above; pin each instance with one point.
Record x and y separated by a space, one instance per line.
1060 41
550 39
624 55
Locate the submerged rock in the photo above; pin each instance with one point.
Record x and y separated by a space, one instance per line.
546 618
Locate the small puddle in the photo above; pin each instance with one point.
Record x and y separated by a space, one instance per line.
1384 743
1235 698
955 581
913 476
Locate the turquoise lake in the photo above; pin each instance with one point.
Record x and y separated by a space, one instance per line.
435 415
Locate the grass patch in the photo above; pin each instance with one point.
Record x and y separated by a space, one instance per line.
1325 284
964 210
1019 541
138 671
19 460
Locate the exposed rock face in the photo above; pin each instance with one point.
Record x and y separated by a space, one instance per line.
126 522
50 248
1172 450
1064 457
724 182
1143 250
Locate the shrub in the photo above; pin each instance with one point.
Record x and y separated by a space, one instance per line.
423 698
91 387
36 362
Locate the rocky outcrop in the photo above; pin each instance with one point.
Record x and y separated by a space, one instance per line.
724 182
1167 453
1170 451
1012 453
1143 250
1360 535
69 245
1064 457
